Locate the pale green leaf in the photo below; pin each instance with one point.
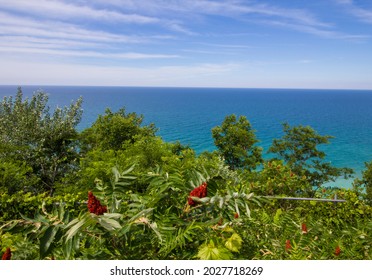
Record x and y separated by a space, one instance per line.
109 224
234 243
209 251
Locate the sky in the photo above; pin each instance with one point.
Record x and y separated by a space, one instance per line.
187 43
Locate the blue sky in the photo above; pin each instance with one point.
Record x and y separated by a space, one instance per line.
196 43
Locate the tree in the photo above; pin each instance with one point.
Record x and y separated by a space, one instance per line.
366 181
113 130
299 149
235 140
45 142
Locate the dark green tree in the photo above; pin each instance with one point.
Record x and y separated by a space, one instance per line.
114 129
44 141
235 140
299 149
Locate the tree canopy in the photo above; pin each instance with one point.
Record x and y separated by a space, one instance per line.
235 140
299 149
113 129
43 140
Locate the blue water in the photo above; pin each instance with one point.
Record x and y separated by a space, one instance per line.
189 114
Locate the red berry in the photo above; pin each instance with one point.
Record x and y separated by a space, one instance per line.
337 250
94 205
304 228
7 254
200 192
288 245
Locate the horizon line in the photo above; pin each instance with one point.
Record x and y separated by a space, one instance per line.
186 87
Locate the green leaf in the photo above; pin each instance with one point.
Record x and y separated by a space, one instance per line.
249 196
277 216
77 225
143 213
67 248
113 215
109 224
234 243
247 210
221 202
47 240
237 208
154 227
201 200
209 251
130 169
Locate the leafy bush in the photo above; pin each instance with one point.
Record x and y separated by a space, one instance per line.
27 204
45 142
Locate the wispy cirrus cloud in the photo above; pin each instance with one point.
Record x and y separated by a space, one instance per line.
65 10
93 54
363 14
300 20
319 32
226 8
13 25
25 35
82 11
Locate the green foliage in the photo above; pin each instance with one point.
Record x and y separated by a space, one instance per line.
235 140
299 149
16 176
266 237
212 251
354 210
12 206
113 129
149 151
277 178
365 183
162 200
98 164
44 141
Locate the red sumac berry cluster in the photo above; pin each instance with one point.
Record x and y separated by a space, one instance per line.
304 228
288 245
200 192
337 250
94 205
7 254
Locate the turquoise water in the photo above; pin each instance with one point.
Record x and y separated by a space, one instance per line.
189 114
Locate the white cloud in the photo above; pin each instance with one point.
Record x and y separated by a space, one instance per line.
23 41
11 25
92 54
319 32
62 11
363 14
181 15
224 8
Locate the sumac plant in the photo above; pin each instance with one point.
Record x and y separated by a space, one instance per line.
158 222
151 216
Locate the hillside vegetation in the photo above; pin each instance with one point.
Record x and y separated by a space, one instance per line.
116 190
